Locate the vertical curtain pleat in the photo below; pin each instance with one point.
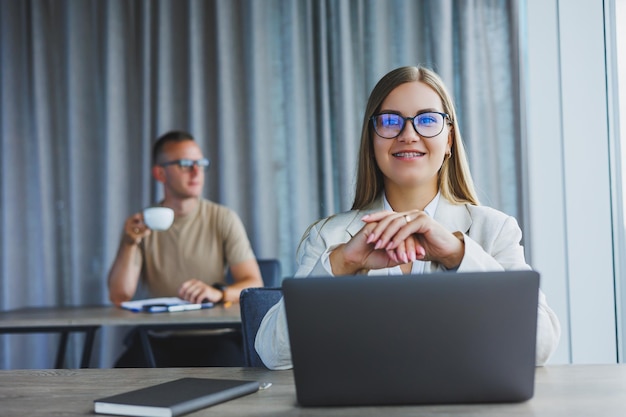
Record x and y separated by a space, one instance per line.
274 92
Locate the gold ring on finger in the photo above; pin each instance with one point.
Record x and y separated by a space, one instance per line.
407 218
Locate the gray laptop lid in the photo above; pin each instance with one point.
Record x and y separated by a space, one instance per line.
428 339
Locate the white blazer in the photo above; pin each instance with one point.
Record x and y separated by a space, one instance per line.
492 243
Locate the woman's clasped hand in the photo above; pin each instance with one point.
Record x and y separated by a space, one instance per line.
394 238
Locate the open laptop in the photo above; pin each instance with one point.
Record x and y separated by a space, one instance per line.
439 338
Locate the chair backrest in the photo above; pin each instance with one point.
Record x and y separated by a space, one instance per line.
254 304
271 272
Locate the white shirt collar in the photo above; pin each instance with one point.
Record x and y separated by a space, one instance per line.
430 209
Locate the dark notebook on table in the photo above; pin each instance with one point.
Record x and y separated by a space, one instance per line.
174 398
440 338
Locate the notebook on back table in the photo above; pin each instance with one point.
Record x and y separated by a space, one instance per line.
438 338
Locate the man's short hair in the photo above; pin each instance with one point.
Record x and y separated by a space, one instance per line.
172 136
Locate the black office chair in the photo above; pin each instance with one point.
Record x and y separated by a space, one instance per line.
254 303
271 272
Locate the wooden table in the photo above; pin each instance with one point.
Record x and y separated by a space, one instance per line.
66 320
560 391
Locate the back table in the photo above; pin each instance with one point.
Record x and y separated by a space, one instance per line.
66 320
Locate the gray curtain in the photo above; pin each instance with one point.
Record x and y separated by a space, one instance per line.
273 90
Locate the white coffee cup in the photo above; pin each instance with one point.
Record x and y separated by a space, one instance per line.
158 218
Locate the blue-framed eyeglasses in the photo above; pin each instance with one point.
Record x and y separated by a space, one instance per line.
427 124
188 164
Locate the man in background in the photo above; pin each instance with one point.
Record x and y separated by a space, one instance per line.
188 260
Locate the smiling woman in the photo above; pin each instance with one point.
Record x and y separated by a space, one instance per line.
415 210
408 156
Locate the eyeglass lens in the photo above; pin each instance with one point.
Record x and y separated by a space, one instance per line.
187 164
390 125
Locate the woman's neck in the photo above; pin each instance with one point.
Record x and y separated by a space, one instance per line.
410 198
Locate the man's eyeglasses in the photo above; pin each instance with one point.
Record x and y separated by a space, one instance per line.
427 124
188 164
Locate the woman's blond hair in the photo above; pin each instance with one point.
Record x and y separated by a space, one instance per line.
455 180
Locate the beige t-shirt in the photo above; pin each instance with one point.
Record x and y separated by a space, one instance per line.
199 245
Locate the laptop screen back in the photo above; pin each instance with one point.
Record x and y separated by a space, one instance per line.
427 339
